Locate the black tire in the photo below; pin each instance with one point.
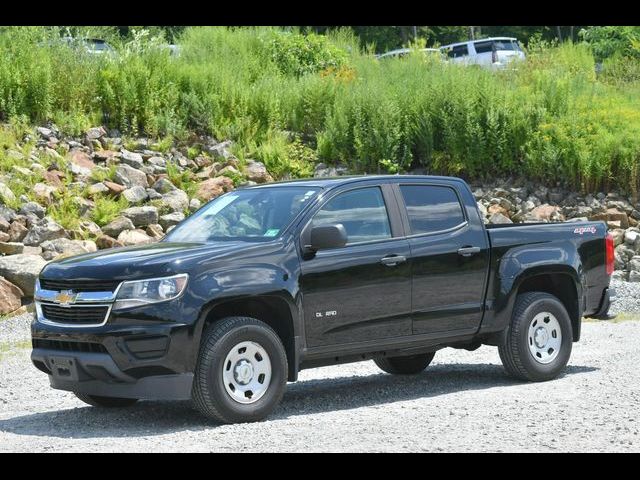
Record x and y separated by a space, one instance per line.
209 394
105 402
515 354
410 365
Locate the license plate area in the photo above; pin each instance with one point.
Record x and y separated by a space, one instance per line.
64 368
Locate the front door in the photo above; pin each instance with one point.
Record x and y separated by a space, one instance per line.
362 291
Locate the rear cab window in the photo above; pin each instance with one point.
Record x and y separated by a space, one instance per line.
432 208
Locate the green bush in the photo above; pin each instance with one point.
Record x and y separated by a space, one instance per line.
100 174
107 209
296 54
66 211
606 41
184 180
284 158
291 100
620 70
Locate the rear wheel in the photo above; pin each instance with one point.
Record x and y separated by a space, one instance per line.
105 402
538 343
409 365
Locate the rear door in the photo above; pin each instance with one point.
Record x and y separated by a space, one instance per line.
484 52
450 256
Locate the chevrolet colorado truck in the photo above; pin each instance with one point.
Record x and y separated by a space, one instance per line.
267 280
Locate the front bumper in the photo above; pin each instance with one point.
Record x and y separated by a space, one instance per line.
152 361
98 374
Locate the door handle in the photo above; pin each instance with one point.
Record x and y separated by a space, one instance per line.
392 260
468 251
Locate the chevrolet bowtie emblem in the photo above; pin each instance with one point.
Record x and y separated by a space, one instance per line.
66 297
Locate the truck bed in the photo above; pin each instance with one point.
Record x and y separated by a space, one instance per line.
519 244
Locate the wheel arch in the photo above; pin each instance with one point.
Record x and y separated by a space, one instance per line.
561 285
274 310
561 281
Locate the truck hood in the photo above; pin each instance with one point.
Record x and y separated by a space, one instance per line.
146 261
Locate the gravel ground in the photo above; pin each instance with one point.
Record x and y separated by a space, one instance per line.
627 297
462 402
15 329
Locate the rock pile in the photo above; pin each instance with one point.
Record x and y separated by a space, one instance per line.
99 162
527 202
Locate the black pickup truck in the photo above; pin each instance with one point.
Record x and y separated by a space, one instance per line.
268 280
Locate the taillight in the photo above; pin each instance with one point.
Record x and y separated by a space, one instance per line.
610 257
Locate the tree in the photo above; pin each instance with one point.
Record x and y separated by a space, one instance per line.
607 41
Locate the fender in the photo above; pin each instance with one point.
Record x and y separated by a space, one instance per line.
244 283
520 264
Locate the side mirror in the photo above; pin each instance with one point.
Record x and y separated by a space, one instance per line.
327 236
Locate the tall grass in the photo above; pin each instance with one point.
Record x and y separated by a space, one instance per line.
291 101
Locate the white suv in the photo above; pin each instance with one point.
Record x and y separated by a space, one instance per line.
494 52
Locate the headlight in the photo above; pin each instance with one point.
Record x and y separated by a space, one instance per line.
144 292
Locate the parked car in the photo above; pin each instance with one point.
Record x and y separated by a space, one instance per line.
97 46
403 52
495 52
268 280
94 46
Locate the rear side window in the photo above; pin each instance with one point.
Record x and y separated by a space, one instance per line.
362 212
458 51
506 45
483 47
431 208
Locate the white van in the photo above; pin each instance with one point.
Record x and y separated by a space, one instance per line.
494 52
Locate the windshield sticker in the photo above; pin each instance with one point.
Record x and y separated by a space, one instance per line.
220 204
272 232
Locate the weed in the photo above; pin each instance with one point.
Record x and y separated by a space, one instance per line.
107 209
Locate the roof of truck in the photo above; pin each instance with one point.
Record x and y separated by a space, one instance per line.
325 182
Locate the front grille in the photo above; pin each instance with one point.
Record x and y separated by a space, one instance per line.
75 315
66 346
79 285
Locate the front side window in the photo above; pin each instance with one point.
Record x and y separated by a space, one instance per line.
431 208
254 214
362 212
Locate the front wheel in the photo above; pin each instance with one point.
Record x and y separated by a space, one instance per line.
241 373
538 343
105 402
409 365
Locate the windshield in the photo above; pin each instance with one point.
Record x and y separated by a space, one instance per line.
255 214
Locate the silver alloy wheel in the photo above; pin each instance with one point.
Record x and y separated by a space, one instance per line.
544 338
246 372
